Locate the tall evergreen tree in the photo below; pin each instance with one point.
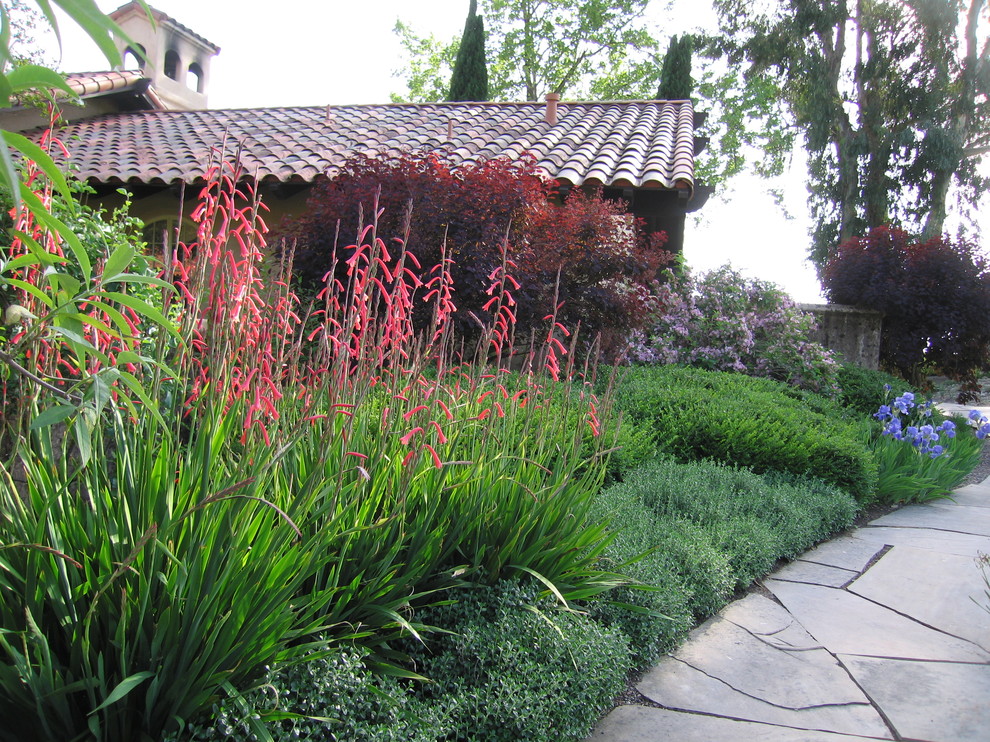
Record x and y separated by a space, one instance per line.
470 78
675 73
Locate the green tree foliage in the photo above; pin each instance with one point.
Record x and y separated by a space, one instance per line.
545 46
891 98
470 78
604 51
675 73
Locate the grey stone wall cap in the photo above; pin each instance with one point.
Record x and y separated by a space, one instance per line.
838 309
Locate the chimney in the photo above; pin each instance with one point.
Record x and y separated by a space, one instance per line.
551 114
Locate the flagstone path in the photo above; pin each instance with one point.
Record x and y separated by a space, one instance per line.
882 633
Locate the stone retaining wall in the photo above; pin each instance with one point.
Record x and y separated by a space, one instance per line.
851 332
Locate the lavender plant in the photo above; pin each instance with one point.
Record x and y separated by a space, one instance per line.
723 321
921 456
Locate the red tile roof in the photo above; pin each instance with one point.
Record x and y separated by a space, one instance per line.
629 143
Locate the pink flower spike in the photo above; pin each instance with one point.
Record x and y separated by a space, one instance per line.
484 396
436 459
355 453
446 409
483 414
440 436
407 438
314 418
413 411
408 456
501 412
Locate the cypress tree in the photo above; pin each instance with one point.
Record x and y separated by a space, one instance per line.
470 79
675 74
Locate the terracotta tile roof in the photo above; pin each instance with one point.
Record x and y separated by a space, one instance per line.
629 143
94 83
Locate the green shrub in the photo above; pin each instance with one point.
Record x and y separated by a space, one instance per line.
516 667
708 527
661 614
327 696
754 423
670 553
864 390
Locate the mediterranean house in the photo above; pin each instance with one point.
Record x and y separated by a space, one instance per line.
147 130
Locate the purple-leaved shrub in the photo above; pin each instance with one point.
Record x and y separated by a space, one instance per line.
723 321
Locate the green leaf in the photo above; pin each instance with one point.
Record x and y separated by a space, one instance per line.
83 431
32 290
52 416
143 308
33 76
128 379
62 230
8 171
117 262
42 159
124 687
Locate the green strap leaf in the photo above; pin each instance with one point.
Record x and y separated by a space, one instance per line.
42 159
117 262
33 77
124 687
141 307
52 416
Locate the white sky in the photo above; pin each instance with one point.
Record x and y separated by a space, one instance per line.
315 52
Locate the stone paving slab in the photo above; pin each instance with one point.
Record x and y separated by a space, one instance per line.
972 495
645 724
938 590
930 701
961 519
963 544
872 636
769 622
849 624
755 663
679 686
814 574
844 552
783 677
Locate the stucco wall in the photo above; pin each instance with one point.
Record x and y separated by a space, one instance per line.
851 332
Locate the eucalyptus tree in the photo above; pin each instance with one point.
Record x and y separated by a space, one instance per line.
891 97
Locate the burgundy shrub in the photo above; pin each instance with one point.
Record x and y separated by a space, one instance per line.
604 260
935 297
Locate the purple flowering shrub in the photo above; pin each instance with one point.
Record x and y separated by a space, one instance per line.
919 455
723 321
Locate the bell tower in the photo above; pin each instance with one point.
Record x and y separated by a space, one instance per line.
176 58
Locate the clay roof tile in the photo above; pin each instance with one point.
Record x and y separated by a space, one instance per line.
620 143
